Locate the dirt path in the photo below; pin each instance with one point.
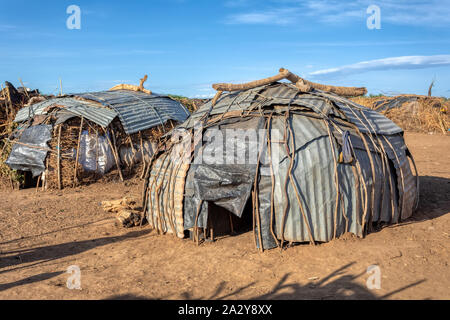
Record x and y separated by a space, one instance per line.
42 234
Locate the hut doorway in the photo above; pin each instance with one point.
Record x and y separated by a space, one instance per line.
222 223
28 180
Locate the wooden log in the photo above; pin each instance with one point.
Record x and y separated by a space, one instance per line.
116 157
142 81
216 97
144 163
124 202
78 153
116 151
96 153
430 88
144 213
59 158
38 182
302 84
133 87
231 223
7 100
249 85
45 184
24 89
6 106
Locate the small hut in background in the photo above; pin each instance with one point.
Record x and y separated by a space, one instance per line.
414 113
78 138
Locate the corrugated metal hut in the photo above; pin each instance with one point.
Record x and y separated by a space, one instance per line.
291 162
90 133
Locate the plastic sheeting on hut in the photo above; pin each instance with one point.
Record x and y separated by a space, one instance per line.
95 127
29 153
301 167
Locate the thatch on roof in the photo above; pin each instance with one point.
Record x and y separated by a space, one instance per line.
414 113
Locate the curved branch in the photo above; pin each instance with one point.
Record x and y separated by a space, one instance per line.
302 84
132 87
249 85
342 91
129 87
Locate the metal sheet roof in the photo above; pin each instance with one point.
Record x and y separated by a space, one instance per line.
136 110
89 110
139 111
365 119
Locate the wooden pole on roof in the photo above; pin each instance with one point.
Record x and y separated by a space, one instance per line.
249 85
194 105
60 85
302 84
217 96
133 87
430 88
141 83
342 91
24 88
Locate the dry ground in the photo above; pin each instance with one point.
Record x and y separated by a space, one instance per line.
42 234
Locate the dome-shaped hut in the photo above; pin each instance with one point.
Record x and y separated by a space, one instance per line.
292 162
76 139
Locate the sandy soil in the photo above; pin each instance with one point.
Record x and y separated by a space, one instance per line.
42 234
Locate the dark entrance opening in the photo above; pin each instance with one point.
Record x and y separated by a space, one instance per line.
222 222
28 180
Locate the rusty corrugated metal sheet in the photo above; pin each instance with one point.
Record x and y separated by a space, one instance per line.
365 119
137 111
166 194
140 111
89 110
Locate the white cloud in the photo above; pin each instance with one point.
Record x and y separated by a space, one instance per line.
204 96
398 12
274 16
406 62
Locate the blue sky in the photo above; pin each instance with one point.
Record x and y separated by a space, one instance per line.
186 45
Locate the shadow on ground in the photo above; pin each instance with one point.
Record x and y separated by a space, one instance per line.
33 279
54 252
434 203
336 286
434 198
